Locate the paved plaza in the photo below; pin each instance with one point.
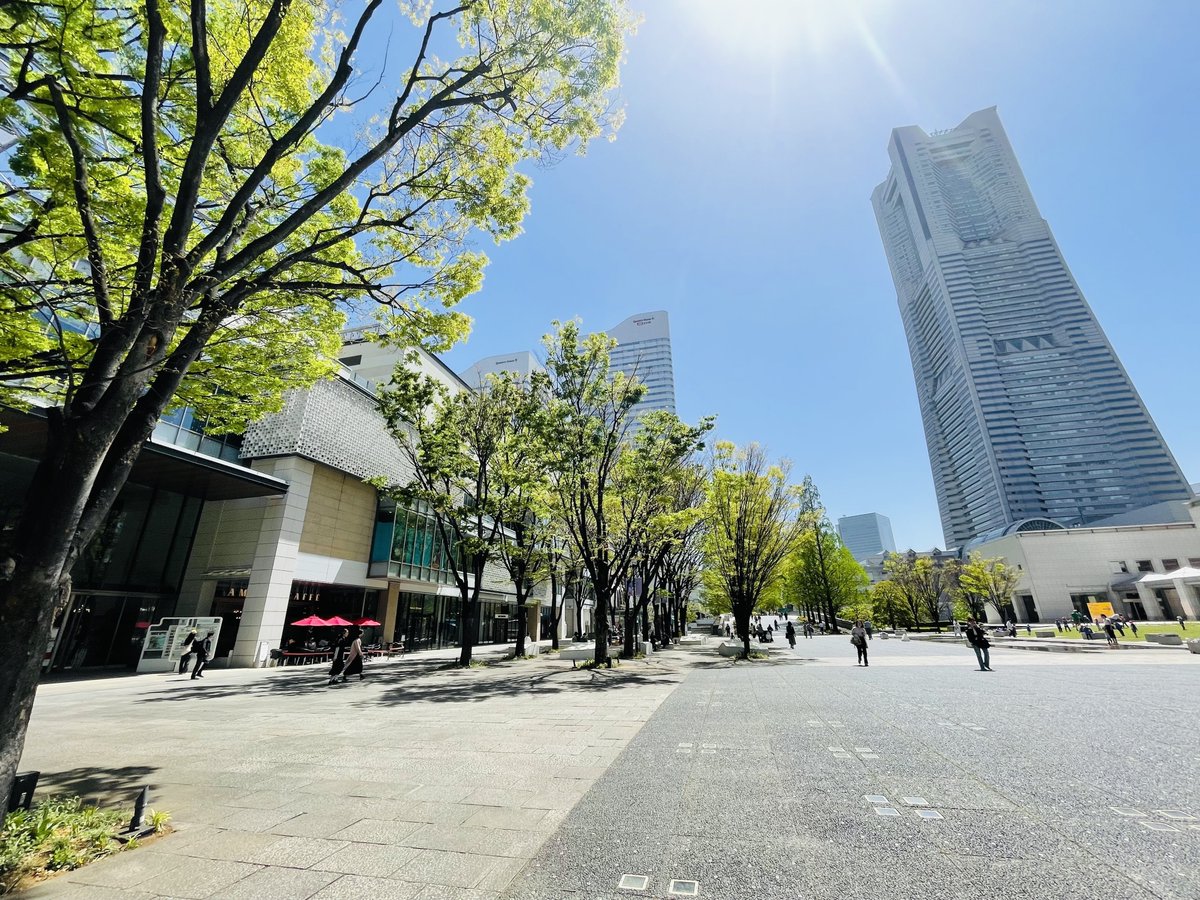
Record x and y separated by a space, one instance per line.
1059 775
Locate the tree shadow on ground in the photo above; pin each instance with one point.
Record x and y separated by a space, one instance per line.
430 679
117 786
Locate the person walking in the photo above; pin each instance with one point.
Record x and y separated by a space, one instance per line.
202 649
354 656
1133 627
339 655
808 630
1180 620
870 629
977 638
187 652
858 637
1110 632
790 631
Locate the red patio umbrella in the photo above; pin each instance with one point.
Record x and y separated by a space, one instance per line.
366 623
311 622
338 620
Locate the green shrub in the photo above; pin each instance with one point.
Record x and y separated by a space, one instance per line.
58 834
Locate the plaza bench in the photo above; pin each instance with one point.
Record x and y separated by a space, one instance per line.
583 653
1194 646
1169 640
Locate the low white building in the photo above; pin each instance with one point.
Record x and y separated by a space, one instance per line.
1147 571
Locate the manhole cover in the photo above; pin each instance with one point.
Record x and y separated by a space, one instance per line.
634 882
684 888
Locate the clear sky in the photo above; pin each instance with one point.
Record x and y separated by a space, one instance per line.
737 198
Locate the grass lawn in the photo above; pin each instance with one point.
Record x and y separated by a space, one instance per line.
1190 630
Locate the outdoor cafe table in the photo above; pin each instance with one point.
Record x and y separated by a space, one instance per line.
298 657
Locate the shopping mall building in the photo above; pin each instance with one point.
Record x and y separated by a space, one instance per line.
266 528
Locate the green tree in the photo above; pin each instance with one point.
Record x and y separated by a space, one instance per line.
825 576
993 582
888 605
927 583
179 224
752 523
653 505
971 590
591 417
684 561
451 441
521 483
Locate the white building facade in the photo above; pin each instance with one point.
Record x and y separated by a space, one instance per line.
522 364
1146 571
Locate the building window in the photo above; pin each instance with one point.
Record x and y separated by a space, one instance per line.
351 360
1194 562
1170 565
1119 567
1145 565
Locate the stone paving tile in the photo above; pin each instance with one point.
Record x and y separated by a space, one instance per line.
506 817
378 860
361 887
124 870
376 831
198 878
276 883
295 852
447 868
466 839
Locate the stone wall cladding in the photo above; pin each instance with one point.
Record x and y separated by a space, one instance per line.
334 423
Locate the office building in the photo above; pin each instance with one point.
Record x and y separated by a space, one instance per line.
866 534
1029 416
522 364
644 350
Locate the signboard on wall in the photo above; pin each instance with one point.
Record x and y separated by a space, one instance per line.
164 641
1096 610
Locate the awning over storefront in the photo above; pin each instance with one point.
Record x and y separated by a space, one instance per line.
159 465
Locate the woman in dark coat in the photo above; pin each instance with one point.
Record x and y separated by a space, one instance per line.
339 657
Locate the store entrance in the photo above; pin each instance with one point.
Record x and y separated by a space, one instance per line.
101 630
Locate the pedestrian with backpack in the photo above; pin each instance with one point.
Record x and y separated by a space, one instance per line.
202 649
187 652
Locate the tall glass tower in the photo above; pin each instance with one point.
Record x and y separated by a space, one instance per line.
1028 413
644 349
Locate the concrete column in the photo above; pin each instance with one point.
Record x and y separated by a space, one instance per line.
1150 601
275 554
533 622
1188 599
390 610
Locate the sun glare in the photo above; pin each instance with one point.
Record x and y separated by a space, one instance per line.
770 26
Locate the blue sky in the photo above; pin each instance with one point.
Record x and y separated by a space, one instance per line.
737 198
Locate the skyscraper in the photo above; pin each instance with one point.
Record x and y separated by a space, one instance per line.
644 349
1028 413
866 534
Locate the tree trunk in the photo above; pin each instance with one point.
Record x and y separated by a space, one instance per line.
555 608
601 615
630 622
741 619
522 627
35 574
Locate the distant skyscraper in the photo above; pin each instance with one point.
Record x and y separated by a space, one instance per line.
520 363
866 534
1028 412
644 349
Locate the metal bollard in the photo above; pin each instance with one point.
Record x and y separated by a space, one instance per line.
139 810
